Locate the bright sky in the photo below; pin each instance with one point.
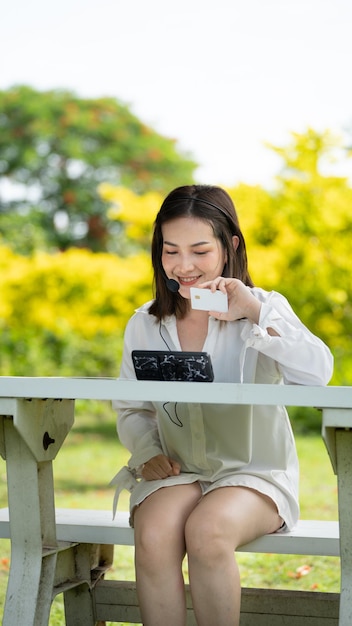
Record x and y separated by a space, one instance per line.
220 76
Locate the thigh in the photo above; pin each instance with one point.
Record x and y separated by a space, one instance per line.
163 514
238 514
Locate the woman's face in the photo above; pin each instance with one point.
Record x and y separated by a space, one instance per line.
191 254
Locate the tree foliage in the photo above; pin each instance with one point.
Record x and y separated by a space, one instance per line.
56 148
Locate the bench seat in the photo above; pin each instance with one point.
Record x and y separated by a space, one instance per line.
116 601
311 537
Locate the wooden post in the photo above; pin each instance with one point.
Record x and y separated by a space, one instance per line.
344 473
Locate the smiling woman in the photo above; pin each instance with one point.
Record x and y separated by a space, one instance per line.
215 231
216 477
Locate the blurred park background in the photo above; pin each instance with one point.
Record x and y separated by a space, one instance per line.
82 182
103 112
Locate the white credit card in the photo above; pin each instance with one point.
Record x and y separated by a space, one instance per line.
206 300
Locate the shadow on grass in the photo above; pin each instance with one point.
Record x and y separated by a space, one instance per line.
95 419
96 430
76 486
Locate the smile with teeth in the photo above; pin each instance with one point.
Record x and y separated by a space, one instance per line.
187 280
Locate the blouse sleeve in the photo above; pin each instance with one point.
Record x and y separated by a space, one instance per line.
136 424
301 357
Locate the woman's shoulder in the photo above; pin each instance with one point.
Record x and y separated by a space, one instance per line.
266 296
144 308
141 317
142 313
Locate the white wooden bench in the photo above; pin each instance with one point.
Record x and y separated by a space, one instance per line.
36 415
96 533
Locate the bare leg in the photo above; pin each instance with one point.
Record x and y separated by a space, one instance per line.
225 519
159 551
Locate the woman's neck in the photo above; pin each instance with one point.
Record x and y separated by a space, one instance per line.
192 330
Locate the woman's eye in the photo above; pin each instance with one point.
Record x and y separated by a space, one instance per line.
170 252
201 253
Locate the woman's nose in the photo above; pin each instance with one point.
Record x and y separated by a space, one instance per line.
185 264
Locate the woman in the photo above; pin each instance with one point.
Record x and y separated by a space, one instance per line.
206 479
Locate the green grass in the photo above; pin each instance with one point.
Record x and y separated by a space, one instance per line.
92 455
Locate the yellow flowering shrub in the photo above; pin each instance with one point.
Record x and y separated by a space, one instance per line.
73 291
136 212
66 302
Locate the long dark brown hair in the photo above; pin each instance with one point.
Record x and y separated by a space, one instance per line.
214 206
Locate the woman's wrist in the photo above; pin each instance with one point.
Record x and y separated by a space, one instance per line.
253 312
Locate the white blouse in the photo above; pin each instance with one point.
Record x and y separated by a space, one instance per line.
217 445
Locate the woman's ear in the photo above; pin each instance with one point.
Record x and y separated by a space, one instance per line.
235 242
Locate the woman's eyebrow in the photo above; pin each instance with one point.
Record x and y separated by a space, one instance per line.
193 245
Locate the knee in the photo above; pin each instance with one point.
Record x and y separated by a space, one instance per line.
205 539
158 544
149 543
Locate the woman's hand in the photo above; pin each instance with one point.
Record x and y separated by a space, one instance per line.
159 467
242 303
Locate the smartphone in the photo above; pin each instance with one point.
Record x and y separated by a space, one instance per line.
172 366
